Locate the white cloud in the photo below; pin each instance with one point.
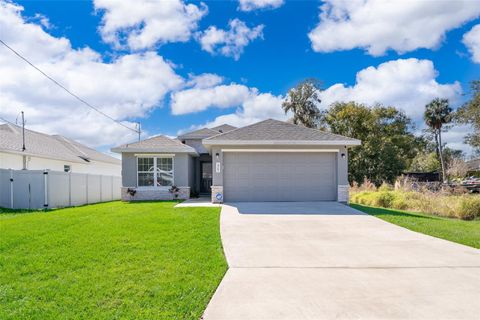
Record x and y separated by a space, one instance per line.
231 42
250 5
199 99
472 40
128 86
380 25
144 23
408 84
204 80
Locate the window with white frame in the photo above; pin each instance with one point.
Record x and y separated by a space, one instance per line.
155 171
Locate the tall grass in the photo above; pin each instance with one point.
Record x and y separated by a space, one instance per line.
465 206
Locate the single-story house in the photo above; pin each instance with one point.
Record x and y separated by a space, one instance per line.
267 161
51 152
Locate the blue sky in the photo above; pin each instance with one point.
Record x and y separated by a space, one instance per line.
272 61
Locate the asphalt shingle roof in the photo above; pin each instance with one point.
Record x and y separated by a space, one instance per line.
274 130
206 132
224 128
156 144
47 146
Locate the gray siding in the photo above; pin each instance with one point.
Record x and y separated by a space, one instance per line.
180 169
197 145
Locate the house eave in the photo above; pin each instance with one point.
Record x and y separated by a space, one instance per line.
155 150
209 142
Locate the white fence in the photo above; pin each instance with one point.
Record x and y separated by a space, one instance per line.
36 189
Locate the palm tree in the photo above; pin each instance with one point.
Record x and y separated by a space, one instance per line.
437 113
303 101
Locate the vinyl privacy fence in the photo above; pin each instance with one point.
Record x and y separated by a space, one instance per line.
37 189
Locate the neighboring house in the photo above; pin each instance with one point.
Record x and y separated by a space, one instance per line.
473 167
55 153
267 161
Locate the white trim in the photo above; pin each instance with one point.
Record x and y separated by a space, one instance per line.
283 142
153 155
280 150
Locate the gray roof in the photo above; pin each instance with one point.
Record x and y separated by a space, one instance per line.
47 146
206 132
199 134
156 144
224 128
276 132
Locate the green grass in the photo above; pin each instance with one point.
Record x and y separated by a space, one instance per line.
464 232
110 261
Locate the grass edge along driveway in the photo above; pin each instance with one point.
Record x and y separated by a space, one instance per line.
110 261
460 231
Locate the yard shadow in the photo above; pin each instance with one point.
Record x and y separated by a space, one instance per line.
376 211
294 208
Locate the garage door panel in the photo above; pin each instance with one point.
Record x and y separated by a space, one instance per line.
272 176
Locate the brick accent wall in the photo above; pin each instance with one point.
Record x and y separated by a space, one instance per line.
343 193
154 194
215 191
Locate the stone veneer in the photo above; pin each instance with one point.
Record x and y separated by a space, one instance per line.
342 193
217 190
154 194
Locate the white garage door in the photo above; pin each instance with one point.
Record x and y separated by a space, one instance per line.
279 176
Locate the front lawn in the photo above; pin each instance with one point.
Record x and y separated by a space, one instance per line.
109 261
464 232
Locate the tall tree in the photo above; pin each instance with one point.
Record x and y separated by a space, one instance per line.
469 113
303 102
437 114
388 145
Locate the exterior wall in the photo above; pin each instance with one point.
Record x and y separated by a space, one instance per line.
183 179
142 194
341 165
197 145
15 161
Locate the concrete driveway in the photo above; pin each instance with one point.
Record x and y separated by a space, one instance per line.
324 260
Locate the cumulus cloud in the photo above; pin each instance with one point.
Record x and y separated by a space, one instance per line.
380 25
204 80
250 5
145 23
128 86
408 84
199 99
472 40
231 42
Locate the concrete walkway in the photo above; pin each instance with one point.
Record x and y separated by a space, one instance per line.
328 261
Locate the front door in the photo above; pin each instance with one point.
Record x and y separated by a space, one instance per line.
205 177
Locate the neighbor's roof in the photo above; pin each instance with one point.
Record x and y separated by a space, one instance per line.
473 165
224 128
156 144
47 146
278 132
206 132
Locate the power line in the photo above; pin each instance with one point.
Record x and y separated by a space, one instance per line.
64 88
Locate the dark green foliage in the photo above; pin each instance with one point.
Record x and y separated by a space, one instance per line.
469 113
388 146
303 101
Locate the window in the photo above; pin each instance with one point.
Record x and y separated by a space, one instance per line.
155 172
67 168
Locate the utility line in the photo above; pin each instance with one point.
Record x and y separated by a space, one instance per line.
64 88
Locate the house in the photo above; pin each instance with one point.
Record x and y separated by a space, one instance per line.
267 161
52 152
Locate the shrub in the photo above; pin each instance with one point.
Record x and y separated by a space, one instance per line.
385 187
384 199
469 207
